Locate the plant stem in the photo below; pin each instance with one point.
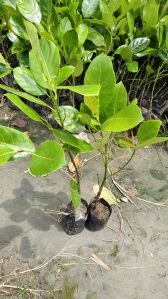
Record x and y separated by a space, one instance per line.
105 170
76 170
122 167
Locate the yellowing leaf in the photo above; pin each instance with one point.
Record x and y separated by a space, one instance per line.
106 194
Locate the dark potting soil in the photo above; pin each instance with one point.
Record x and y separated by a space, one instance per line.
99 212
74 222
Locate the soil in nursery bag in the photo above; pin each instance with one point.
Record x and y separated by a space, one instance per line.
99 212
74 222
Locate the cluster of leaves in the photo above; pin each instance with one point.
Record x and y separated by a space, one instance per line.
80 28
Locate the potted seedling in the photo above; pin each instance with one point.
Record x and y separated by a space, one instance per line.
105 114
45 77
106 117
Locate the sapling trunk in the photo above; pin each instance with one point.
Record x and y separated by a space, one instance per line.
76 170
105 155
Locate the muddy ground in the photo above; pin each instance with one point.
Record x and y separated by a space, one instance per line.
125 260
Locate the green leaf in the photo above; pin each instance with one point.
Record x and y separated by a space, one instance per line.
70 40
92 103
139 44
5 153
24 78
25 96
82 31
48 157
151 141
17 26
75 196
106 194
132 66
148 51
124 120
22 106
86 90
10 3
46 10
150 16
45 69
130 20
125 52
89 121
69 119
15 140
96 38
64 73
107 16
100 71
4 67
89 7
69 139
149 129
30 10
118 101
65 26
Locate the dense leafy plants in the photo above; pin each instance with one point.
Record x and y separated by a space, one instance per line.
131 29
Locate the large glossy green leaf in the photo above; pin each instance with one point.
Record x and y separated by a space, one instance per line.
118 101
22 106
124 120
5 153
68 117
149 129
25 96
48 157
89 7
64 73
15 140
85 90
151 142
100 71
82 31
139 44
75 196
150 16
69 139
17 26
46 68
30 10
24 78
